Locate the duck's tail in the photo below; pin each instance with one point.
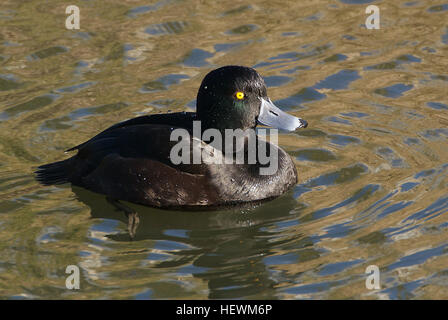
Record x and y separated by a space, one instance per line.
53 173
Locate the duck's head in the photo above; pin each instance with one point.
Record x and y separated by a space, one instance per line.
235 97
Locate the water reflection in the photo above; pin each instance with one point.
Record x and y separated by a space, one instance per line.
236 263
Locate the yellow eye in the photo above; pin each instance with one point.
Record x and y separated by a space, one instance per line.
239 95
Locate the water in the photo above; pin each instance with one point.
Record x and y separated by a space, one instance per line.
372 164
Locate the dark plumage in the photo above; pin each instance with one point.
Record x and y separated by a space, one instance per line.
131 160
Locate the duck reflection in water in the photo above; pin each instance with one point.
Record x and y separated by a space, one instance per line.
237 261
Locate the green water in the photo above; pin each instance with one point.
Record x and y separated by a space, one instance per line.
372 164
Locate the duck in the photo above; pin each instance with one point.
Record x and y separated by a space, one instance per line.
134 161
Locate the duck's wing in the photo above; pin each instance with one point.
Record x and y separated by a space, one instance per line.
141 141
176 119
135 138
150 182
133 163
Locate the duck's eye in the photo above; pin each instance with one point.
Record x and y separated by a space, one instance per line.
239 95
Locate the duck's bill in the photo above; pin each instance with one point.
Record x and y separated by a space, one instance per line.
272 116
